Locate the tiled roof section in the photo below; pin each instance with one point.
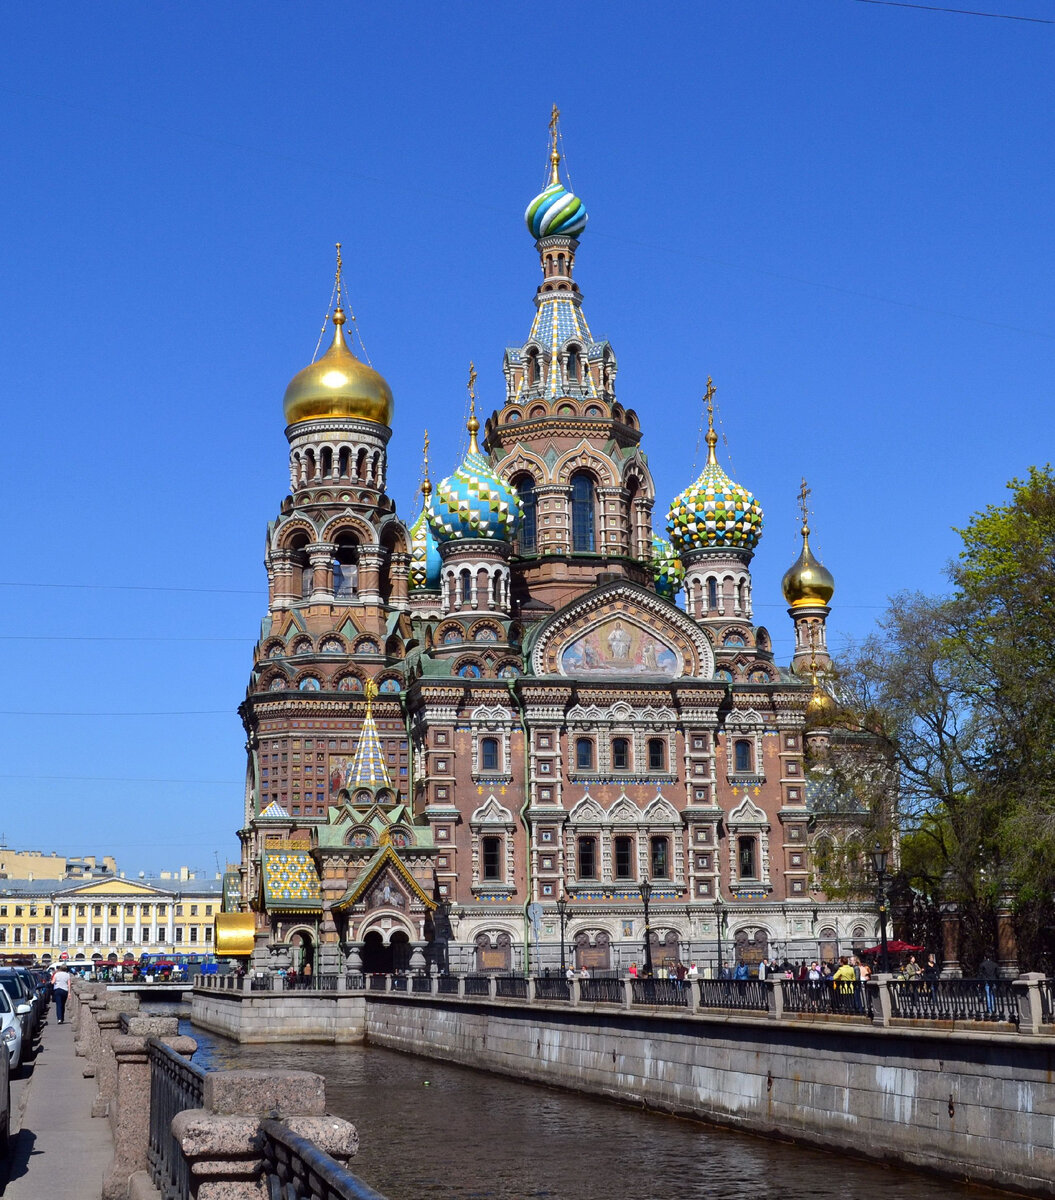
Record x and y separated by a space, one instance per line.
368 767
823 795
291 882
560 319
274 812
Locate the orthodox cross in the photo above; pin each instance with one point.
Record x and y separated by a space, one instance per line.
804 491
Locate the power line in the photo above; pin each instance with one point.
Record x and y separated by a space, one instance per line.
121 779
63 637
204 712
133 587
962 12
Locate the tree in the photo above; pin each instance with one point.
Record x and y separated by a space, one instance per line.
957 695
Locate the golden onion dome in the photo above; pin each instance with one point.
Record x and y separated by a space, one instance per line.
807 581
820 708
338 385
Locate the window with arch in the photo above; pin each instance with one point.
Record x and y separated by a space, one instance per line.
582 513
747 857
532 368
712 593
525 489
466 588
659 857
346 567
584 754
586 848
742 756
623 858
491 859
620 754
489 754
657 754
574 364
302 569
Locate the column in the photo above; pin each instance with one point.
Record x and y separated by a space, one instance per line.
320 555
370 559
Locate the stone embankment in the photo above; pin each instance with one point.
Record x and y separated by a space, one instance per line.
969 1099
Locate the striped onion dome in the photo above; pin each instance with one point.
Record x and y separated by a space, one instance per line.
556 211
424 554
667 570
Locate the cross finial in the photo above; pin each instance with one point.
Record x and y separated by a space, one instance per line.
473 424
426 483
554 153
338 285
712 437
370 691
804 492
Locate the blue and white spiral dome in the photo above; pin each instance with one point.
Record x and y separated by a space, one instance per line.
556 211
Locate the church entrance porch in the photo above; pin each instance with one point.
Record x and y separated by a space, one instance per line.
381 958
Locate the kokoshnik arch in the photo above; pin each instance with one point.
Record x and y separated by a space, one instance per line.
501 702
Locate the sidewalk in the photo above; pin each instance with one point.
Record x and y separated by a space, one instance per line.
57 1148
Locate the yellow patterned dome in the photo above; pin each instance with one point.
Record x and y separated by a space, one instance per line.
807 581
338 385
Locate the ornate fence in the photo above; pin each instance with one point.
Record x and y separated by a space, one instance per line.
478 985
511 987
667 992
743 995
604 990
954 1000
826 996
294 1169
552 987
175 1085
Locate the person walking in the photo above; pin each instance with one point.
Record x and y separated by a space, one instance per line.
60 991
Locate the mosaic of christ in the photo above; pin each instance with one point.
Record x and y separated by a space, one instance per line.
618 647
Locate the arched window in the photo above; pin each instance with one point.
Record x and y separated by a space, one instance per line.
657 754
489 754
346 567
573 364
747 857
587 857
532 368
584 754
624 857
525 487
582 514
467 588
712 593
620 754
659 854
742 755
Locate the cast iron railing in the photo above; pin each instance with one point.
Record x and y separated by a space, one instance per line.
175 1085
447 985
355 980
478 985
954 1000
294 1169
551 987
400 983
421 983
742 995
511 987
1047 1001
376 983
606 990
669 992
827 996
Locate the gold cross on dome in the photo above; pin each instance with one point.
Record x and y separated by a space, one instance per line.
472 382
709 397
804 491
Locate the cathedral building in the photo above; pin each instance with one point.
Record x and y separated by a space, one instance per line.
455 722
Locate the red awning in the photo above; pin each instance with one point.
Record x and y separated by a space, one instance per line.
895 947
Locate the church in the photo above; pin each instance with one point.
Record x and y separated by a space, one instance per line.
482 738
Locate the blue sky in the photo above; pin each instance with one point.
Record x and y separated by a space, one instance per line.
841 211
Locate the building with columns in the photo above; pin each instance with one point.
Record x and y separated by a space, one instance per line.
455 721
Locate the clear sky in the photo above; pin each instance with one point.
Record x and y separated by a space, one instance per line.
840 210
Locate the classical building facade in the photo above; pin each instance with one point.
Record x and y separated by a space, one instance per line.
456 721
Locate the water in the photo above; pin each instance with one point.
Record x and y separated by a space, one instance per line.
428 1128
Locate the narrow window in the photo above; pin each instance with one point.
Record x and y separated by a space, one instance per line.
659 852
747 855
489 754
742 755
584 754
467 588
587 847
712 594
624 858
529 524
346 567
657 754
573 364
620 754
492 856
582 519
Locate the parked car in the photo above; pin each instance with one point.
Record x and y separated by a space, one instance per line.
5 1108
11 1031
22 1002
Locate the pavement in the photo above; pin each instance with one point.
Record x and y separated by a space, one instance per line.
57 1147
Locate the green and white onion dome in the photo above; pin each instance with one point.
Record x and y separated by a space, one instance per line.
424 555
556 211
714 512
667 571
473 502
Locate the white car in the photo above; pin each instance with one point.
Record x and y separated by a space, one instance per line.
11 1028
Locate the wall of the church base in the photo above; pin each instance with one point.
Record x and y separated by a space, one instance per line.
973 1106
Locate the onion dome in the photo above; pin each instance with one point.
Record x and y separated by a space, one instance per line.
714 512
667 570
473 502
820 708
555 210
424 553
338 385
807 581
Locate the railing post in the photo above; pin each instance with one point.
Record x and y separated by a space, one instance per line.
573 992
461 987
434 985
492 988
531 989
1030 1010
388 983
692 990
628 993
879 986
776 998
109 1023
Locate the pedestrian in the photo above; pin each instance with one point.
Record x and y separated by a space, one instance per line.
911 969
633 970
60 990
763 968
741 971
693 973
930 970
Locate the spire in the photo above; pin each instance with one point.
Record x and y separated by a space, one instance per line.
426 483
554 153
473 424
367 769
712 437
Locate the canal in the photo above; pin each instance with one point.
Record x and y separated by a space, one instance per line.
434 1129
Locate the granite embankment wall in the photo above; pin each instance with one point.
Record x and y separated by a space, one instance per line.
970 1104
329 1017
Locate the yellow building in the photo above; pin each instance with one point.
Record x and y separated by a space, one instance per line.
34 864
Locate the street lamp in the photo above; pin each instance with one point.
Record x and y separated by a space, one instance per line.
879 859
718 935
562 913
443 936
646 895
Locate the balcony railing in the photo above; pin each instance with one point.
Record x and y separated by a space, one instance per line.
601 991
1047 1002
552 987
511 987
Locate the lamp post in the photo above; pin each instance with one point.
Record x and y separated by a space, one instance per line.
879 858
562 913
646 895
443 936
718 935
